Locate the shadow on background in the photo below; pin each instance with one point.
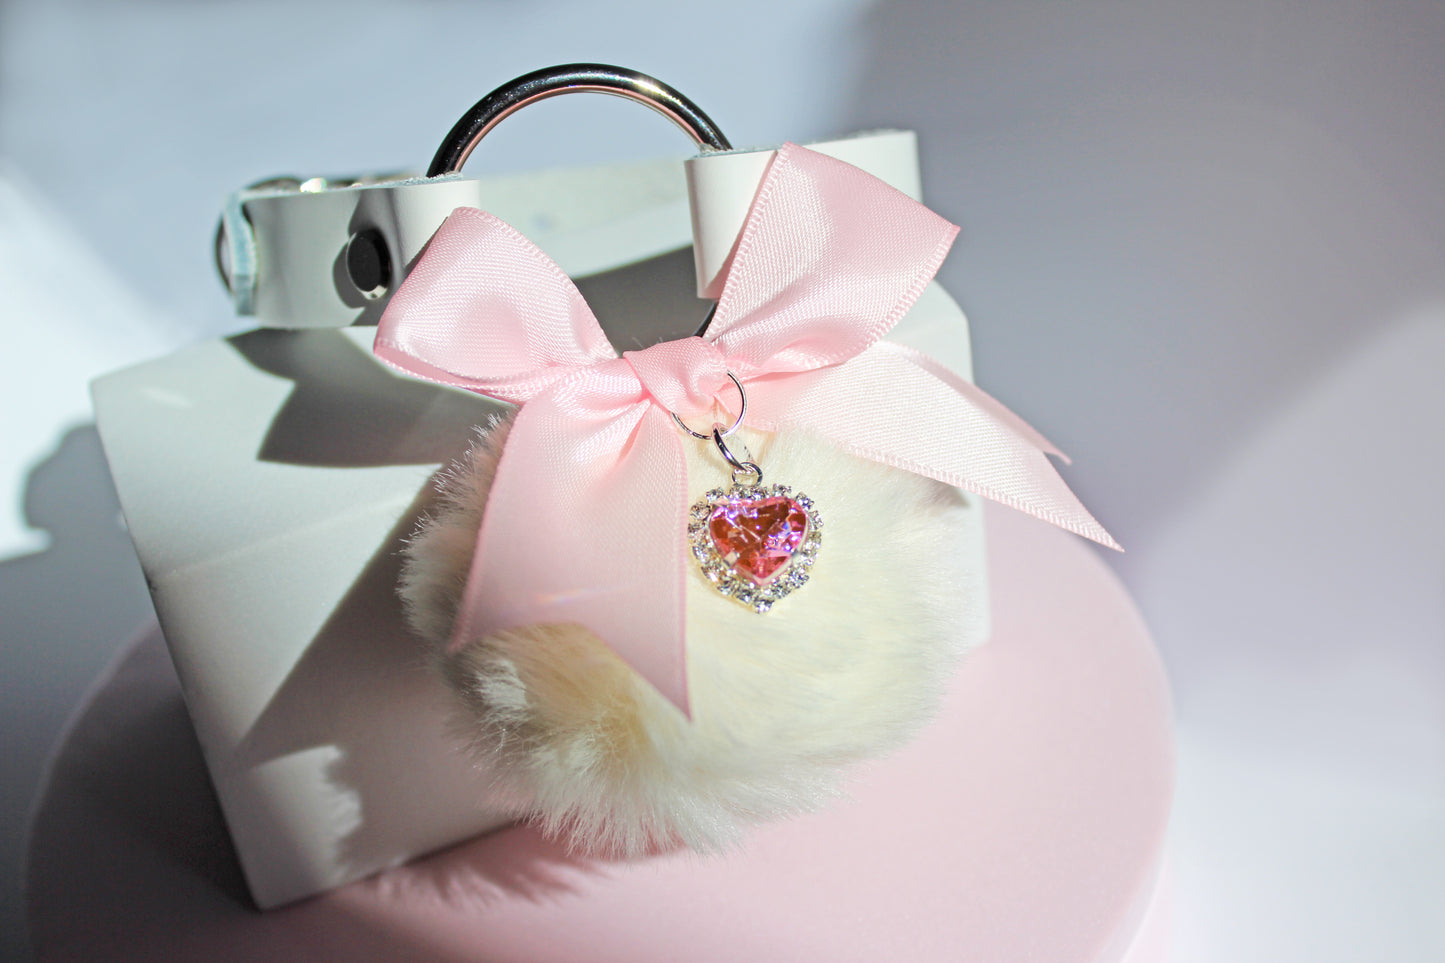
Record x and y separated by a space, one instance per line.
651 300
59 612
348 410
129 788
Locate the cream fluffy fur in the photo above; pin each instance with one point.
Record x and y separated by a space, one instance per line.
843 669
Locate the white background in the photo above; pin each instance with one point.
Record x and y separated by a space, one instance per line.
1203 249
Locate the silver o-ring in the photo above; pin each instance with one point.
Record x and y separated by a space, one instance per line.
492 109
737 422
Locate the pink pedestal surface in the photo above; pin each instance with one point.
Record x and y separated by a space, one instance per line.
1025 824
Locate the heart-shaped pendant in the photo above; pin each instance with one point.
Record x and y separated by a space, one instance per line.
757 543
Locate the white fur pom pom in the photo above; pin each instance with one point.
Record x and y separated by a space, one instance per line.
843 669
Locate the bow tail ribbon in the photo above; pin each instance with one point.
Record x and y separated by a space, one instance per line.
582 525
897 406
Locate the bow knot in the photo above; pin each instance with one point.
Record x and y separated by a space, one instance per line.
828 261
686 376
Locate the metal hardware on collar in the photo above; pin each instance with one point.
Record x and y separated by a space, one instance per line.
737 422
371 260
235 252
511 97
368 264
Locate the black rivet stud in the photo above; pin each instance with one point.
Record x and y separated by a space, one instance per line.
368 264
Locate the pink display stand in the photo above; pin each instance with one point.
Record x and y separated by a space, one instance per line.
1025 824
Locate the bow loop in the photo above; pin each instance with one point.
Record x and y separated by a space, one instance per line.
824 267
485 309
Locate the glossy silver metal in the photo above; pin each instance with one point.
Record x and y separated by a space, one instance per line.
737 422
745 473
511 97
368 264
288 183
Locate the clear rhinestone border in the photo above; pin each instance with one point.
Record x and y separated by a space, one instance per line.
723 578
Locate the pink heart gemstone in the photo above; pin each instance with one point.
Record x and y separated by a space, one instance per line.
757 537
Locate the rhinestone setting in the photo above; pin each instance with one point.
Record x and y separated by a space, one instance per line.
743 561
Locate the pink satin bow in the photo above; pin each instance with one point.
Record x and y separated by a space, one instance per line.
586 518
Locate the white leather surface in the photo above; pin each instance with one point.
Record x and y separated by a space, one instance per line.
610 216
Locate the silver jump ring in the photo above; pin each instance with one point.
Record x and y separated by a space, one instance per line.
744 472
737 422
511 97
